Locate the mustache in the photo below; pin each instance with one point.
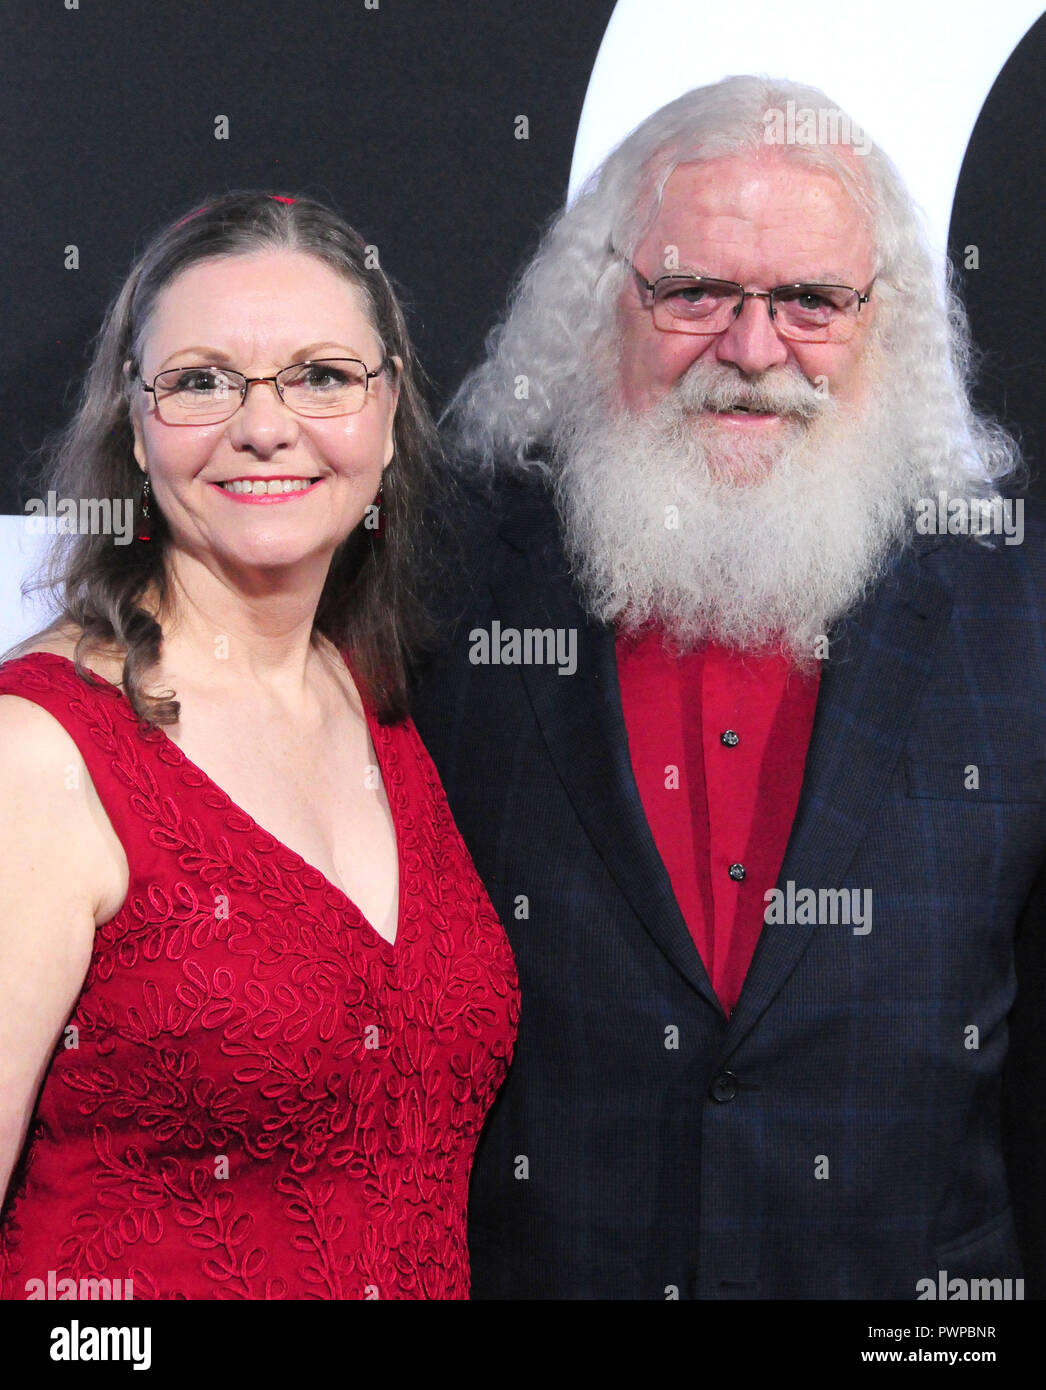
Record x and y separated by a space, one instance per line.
779 391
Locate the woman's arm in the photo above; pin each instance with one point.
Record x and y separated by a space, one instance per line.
56 871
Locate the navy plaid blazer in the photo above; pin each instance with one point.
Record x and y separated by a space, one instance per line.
861 1122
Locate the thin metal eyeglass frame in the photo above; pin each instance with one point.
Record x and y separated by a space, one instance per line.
768 295
249 381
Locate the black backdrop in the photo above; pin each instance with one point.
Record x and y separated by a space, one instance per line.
1000 207
405 116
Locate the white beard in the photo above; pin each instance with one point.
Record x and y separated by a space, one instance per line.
773 540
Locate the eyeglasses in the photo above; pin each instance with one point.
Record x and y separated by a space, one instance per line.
208 395
803 313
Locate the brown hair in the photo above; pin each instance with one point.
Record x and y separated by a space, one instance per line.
371 605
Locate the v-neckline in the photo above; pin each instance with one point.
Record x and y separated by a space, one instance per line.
372 726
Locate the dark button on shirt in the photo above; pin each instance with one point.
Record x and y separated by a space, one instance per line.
705 808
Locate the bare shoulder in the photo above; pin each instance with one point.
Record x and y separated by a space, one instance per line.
39 760
62 639
50 810
33 746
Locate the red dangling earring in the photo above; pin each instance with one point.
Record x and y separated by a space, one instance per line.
145 529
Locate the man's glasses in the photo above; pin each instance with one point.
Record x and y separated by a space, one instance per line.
208 395
803 313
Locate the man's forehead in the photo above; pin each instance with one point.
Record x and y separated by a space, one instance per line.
750 178
759 203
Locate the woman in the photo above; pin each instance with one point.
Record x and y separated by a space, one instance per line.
254 1001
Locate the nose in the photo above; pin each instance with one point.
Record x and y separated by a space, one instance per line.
752 343
263 423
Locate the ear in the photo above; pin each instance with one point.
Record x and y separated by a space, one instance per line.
139 443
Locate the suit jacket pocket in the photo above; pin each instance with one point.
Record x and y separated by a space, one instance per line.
975 781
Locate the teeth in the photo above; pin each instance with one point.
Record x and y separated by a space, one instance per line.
259 489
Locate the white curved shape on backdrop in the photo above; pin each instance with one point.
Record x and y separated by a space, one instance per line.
914 75
20 552
654 50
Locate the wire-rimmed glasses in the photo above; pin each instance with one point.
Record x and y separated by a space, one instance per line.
801 312
208 395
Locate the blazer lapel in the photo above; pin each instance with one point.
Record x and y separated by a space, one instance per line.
581 719
878 662
879 659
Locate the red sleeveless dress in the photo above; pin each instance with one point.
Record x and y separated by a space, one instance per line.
258 1096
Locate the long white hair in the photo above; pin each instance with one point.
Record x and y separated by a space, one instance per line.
514 409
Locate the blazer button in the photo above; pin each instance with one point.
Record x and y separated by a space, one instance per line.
724 1087
737 872
729 739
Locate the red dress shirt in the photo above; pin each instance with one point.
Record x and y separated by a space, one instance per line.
718 743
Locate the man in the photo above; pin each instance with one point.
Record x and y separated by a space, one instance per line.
744 722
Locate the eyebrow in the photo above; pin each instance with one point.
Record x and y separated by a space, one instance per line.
215 357
826 279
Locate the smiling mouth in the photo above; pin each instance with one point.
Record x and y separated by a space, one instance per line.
259 487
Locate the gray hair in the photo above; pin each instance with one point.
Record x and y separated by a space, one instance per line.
515 408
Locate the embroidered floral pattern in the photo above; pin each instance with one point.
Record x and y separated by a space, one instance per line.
266 1098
